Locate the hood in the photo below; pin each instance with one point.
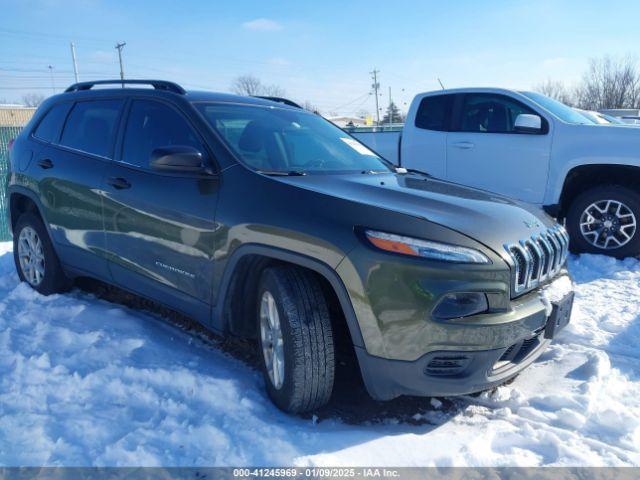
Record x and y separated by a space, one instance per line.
619 144
490 219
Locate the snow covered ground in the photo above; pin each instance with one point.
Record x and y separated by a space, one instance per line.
87 382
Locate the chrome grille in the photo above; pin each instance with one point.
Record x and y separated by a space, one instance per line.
538 258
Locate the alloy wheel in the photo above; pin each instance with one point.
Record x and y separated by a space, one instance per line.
608 224
31 255
272 341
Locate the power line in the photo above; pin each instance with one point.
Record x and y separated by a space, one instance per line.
352 101
53 85
25 33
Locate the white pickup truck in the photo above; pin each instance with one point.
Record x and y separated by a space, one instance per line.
528 146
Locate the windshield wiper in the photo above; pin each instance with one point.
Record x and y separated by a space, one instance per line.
373 172
282 173
412 170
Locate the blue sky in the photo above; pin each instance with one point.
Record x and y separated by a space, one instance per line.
321 51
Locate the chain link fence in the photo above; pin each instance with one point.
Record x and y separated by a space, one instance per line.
12 120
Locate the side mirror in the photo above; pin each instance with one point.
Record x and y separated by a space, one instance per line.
177 158
527 123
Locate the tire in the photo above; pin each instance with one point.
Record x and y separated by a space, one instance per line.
616 222
307 347
52 278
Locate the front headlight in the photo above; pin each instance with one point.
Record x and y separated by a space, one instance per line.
425 248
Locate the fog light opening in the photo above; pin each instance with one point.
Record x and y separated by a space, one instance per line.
460 304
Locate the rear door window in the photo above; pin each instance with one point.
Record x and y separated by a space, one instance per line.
153 125
91 126
50 126
434 112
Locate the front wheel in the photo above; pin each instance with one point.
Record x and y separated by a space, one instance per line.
605 220
295 339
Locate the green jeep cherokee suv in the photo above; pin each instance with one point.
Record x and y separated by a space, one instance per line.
259 219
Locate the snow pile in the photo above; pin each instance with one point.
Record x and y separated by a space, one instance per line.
86 382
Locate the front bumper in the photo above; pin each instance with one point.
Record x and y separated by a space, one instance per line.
386 379
459 369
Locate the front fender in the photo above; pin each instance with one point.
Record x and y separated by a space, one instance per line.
328 272
581 145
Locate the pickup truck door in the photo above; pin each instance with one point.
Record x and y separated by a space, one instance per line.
159 225
423 145
485 151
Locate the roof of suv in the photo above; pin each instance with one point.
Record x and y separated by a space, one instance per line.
164 87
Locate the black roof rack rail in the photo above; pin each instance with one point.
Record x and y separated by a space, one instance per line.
286 101
157 84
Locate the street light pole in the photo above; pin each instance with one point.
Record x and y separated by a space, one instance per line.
75 63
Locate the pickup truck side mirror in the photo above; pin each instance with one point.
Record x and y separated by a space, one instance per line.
528 123
177 158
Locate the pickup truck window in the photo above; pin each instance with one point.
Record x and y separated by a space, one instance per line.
490 113
559 109
433 112
288 140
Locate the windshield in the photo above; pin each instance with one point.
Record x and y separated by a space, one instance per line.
611 119
591 116
273 139
559 109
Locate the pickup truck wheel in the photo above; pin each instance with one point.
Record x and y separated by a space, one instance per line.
34 256
295 339
605 220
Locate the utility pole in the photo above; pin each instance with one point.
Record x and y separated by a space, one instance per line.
75 63
53 85
390 110
376 86
119 47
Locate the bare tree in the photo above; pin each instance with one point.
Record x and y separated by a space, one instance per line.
247 85
251 86
32 99
557 90
307 105
272 91
610 83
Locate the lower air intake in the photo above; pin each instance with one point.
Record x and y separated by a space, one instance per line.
447 365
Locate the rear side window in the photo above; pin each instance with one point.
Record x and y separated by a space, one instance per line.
433 113
91 126
153 125
51 125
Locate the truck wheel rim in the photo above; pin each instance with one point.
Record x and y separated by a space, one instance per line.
271 339
608 224
31 255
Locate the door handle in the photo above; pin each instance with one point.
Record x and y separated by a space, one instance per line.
464 145
119 183
45 163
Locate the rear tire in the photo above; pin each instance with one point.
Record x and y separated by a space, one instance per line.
292 300
605 220
36 260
